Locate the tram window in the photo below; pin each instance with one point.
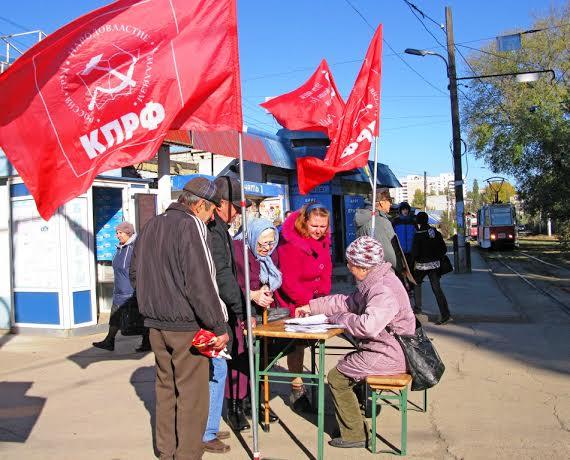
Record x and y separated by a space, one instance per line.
501 216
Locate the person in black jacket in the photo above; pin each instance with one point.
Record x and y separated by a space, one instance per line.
428 250
174 277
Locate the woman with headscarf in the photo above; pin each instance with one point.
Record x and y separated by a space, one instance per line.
264 278
380 300
123 291
305 260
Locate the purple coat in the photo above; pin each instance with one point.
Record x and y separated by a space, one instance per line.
254 267
379 300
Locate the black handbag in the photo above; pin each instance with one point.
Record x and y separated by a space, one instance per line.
424 364
132 322
445 266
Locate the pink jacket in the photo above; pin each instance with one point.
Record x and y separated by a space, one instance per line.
306 266
379 300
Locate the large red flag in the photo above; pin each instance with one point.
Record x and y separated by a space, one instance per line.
102 91
315 106
350 147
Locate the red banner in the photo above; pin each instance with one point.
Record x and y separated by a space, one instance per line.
350 147
314 106
102 91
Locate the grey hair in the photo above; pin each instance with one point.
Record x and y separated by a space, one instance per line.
189 199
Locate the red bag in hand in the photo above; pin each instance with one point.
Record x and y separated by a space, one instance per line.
203 342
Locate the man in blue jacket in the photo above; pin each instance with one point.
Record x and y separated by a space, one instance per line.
405 227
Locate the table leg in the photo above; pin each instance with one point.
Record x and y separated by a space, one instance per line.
321 403
255 404
314 372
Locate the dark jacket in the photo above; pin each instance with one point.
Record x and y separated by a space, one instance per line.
122 289
226 274
429 245
405 228
172 272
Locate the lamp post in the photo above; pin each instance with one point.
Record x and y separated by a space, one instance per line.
461 265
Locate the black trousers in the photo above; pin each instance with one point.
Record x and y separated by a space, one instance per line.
434 277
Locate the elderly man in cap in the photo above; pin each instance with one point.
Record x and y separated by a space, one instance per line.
175 280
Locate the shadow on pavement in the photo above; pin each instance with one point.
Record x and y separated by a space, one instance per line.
143 382
124 349
18 412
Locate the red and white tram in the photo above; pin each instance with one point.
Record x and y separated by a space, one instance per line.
496 226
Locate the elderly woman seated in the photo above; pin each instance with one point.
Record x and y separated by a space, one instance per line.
380 300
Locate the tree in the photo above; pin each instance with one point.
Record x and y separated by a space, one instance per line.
506 192
418 201
524 129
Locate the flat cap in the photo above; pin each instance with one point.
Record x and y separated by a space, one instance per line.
203 188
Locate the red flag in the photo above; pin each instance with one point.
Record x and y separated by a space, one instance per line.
102 91
314 106
350 147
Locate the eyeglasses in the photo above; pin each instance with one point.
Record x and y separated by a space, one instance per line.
266 245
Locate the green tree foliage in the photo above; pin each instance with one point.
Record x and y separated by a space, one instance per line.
446 225
523 129
506 192
418 201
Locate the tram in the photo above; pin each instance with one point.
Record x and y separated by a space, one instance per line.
471 226
496 226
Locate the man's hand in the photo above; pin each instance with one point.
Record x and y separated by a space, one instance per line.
221 342
301 312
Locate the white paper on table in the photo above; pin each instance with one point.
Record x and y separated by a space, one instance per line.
307 320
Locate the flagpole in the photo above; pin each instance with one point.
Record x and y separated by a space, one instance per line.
254 405
374 183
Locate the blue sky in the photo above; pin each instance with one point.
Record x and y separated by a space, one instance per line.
282 42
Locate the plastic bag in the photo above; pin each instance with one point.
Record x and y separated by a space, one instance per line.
201 342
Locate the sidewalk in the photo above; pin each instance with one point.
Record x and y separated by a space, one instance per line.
504 393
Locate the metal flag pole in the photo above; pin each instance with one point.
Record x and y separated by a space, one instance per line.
254 405
374 183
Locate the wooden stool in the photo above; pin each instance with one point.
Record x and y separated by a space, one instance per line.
397 387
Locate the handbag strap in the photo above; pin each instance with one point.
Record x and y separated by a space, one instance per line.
391 331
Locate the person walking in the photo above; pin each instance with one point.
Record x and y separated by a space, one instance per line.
234 388
405 227
174 276
428 250
123 292
306 265
379 301
264 278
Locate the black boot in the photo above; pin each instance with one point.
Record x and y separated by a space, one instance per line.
145 344
107 344
273 417
236 416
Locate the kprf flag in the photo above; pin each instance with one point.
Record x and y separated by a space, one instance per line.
350 147
102 91
314 106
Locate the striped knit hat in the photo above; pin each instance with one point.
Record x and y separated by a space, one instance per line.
365 252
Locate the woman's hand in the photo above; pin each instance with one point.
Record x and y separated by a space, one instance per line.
301 312
262 297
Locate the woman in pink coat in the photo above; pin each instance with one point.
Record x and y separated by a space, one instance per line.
306 265
380 300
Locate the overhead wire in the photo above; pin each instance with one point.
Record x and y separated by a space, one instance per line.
393 50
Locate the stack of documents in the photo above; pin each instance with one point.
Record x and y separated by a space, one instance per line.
309 324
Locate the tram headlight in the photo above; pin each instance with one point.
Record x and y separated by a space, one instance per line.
493 236
510 236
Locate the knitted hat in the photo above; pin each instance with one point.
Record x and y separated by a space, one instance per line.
126 227
365 252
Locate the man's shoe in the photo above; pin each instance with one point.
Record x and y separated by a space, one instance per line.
236 416
108 345
223 435
339 442
301 404
215 446
444 320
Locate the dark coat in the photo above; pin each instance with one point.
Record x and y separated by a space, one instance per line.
122 288
172 272
226 273
429 245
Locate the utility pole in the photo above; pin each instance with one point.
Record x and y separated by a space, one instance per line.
460 255
425 191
